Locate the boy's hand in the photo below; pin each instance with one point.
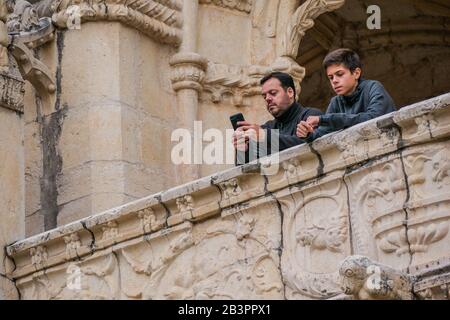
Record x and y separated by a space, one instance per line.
313 121
303 129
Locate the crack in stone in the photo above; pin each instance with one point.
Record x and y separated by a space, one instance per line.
408 195
92 244
320 168
280 249
349 220
13 280
168 213
220 192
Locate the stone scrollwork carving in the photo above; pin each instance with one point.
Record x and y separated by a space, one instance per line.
377 198
237 82
364 279
311 235
185 204
72 244
302 20
148 219
110 230
32 69
230 188
39 256
239 5
27 31
24 17
415 240
160 20
441 168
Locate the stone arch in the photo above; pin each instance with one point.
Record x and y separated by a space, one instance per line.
410 54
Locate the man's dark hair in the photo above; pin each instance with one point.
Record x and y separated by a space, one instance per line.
344 56
285 80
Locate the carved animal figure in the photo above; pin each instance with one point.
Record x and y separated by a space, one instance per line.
366 280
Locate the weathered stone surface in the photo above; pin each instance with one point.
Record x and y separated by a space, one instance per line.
242 234
12 195
106 98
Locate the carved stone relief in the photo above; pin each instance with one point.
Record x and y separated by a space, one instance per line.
378 194
315 229
228 261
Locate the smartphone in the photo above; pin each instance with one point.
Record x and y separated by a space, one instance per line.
235 118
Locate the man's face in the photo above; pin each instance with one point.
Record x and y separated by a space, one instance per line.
278 100
342 80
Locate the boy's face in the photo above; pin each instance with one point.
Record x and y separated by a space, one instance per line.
342 80
277 98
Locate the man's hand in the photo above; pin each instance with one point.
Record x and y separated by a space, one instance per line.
303 129
306 127
240 141
252 131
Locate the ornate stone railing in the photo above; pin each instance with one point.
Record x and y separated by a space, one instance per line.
380 189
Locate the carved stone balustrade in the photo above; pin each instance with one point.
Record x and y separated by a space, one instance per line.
272 230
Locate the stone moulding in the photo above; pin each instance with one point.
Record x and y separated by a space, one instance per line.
238 5
237 83
262 184
11 93
160 20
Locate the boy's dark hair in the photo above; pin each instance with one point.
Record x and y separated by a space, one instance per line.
285 79
344 56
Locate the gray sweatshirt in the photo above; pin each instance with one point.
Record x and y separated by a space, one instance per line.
370 100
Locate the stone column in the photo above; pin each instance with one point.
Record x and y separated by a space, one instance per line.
12 209
108 140
187 75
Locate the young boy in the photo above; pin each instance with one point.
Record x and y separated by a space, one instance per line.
357 99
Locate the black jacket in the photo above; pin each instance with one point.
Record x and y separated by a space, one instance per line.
287 127
370 100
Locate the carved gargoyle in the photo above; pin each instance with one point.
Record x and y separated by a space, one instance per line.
363 279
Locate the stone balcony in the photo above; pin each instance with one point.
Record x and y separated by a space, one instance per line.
269 229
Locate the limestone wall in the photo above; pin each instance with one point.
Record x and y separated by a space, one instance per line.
274 229
98 132
12 183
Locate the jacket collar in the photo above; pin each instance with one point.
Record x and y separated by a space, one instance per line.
289 113
355 95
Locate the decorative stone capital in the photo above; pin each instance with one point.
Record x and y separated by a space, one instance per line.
161 20
188 71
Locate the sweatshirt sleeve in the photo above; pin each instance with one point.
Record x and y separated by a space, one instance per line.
380 103
285 141
323 129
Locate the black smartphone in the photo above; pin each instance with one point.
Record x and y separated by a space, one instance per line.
235 118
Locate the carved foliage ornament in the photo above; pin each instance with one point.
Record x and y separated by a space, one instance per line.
302 20
304 243
160 20
240 5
